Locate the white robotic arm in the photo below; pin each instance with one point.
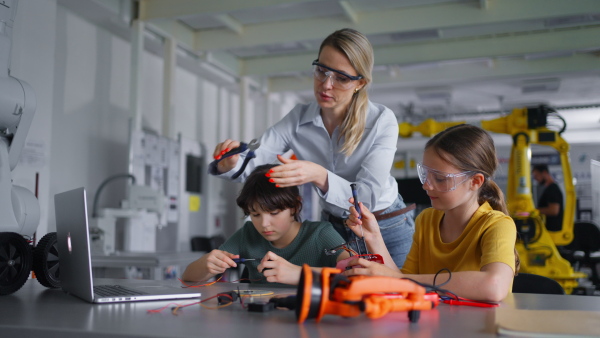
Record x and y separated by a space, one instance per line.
18 206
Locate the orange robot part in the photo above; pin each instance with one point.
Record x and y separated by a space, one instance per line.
330 292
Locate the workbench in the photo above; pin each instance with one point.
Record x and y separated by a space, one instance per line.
36 311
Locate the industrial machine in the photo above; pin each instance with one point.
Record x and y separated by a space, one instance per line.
536 245
19 207
143 212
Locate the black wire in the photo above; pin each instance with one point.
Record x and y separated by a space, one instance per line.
104 183
437 288
555 114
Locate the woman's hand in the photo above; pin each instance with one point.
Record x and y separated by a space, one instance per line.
369 268
295 172
279 270
220 150
217 261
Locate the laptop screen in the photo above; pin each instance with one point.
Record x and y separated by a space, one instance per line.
73 243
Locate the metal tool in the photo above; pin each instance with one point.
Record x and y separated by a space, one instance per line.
243 260
355 196
361 239
251 147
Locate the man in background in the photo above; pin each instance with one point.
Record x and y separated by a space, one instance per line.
550 202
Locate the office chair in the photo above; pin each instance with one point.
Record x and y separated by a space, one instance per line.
530 283
200 243
586 239
216 241
207 244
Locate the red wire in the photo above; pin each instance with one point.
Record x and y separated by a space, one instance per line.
199 285
218 280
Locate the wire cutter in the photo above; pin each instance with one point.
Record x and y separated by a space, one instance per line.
252 146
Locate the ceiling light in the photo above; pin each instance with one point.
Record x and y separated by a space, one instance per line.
540 86
425 34
434 93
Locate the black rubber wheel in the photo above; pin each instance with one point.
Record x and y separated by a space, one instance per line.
45 261
15 262
414 315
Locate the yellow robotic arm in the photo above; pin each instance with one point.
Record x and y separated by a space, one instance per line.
528 126
536 245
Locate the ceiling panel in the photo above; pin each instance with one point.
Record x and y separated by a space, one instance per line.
485 54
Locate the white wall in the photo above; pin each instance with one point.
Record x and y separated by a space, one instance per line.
80 73
34 36
90 117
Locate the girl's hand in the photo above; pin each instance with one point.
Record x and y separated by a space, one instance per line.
220 150
217 261
295 172
370 231
369 268
370 228
279 270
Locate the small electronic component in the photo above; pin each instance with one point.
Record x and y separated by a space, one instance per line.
227 297
261 307
288 302
254 292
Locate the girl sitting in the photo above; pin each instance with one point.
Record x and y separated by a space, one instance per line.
467 230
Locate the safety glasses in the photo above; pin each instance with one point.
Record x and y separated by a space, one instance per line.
338 78
439 180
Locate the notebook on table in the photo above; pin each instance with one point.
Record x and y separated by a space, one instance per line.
75 260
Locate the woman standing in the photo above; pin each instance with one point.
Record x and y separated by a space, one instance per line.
339 139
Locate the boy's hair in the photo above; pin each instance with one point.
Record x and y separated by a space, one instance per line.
470 148
259 192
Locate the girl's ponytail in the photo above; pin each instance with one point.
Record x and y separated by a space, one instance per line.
490 192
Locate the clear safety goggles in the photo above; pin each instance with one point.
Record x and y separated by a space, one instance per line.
439 180
338 78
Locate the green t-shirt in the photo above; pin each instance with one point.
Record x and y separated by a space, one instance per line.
307 248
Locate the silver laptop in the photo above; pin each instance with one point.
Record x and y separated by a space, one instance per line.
75 261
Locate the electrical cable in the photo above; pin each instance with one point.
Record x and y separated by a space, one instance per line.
185 285
554 113
174 310
218 280
224 299
448 296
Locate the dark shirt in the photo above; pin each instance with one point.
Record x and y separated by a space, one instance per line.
308 247
552 194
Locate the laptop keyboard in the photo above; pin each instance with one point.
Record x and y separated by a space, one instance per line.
115 291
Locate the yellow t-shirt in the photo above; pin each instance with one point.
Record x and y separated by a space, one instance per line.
488 238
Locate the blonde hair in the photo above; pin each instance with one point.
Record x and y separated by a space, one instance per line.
359 51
